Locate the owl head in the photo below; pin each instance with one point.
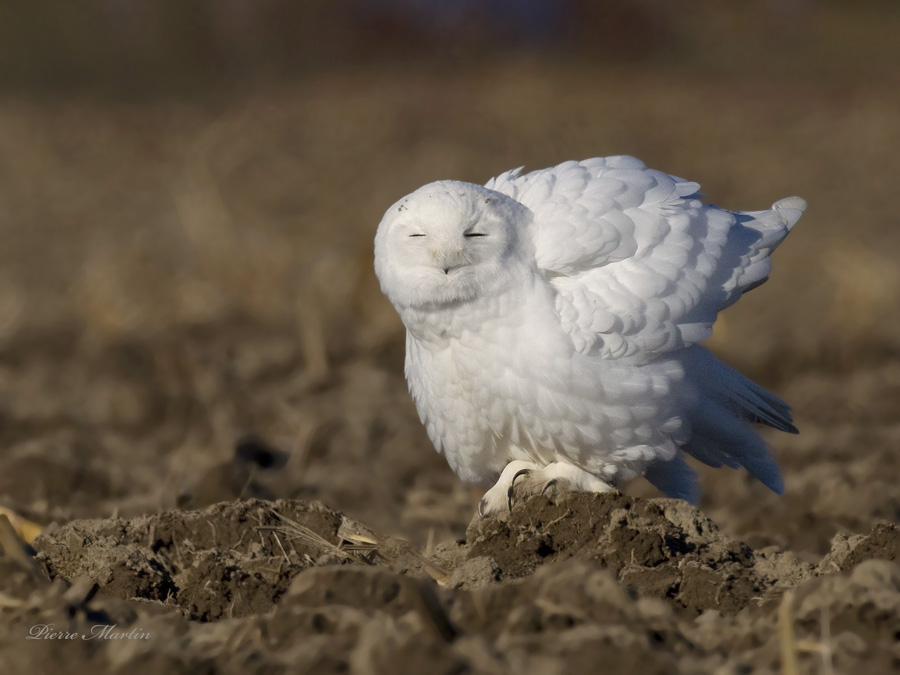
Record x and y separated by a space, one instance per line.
448 242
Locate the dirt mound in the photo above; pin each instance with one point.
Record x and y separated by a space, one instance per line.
554 586
231 559
882 543
662 548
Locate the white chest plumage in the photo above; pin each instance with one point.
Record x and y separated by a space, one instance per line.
497 379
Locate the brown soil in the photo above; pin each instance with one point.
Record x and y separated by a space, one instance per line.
644 585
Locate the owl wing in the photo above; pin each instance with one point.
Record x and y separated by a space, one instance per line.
640 265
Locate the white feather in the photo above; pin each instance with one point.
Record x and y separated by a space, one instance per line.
553 316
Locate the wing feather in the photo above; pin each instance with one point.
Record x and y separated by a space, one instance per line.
640 265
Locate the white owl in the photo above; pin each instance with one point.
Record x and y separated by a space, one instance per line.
552 326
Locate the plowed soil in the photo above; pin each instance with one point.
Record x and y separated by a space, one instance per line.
202 399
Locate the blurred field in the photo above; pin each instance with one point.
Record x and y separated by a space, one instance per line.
131 217
209 222
186 261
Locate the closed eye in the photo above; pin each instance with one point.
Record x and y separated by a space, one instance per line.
417 235
474 234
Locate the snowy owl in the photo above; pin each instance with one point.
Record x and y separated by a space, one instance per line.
552 322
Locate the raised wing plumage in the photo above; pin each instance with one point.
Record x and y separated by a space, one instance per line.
641 266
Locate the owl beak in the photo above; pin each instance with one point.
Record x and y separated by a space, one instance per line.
448 261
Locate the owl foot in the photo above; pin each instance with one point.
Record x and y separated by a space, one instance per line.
500 497
521 479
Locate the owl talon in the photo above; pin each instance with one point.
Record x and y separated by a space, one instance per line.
510 494
547 486
520 472
500 497
520 480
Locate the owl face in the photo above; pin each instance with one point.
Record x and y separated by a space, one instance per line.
448 242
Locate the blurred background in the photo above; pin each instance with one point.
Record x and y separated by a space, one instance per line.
189 190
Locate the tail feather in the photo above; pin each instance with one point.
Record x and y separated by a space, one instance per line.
708 451
741 395
757 405
728 403
721 438
674 478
